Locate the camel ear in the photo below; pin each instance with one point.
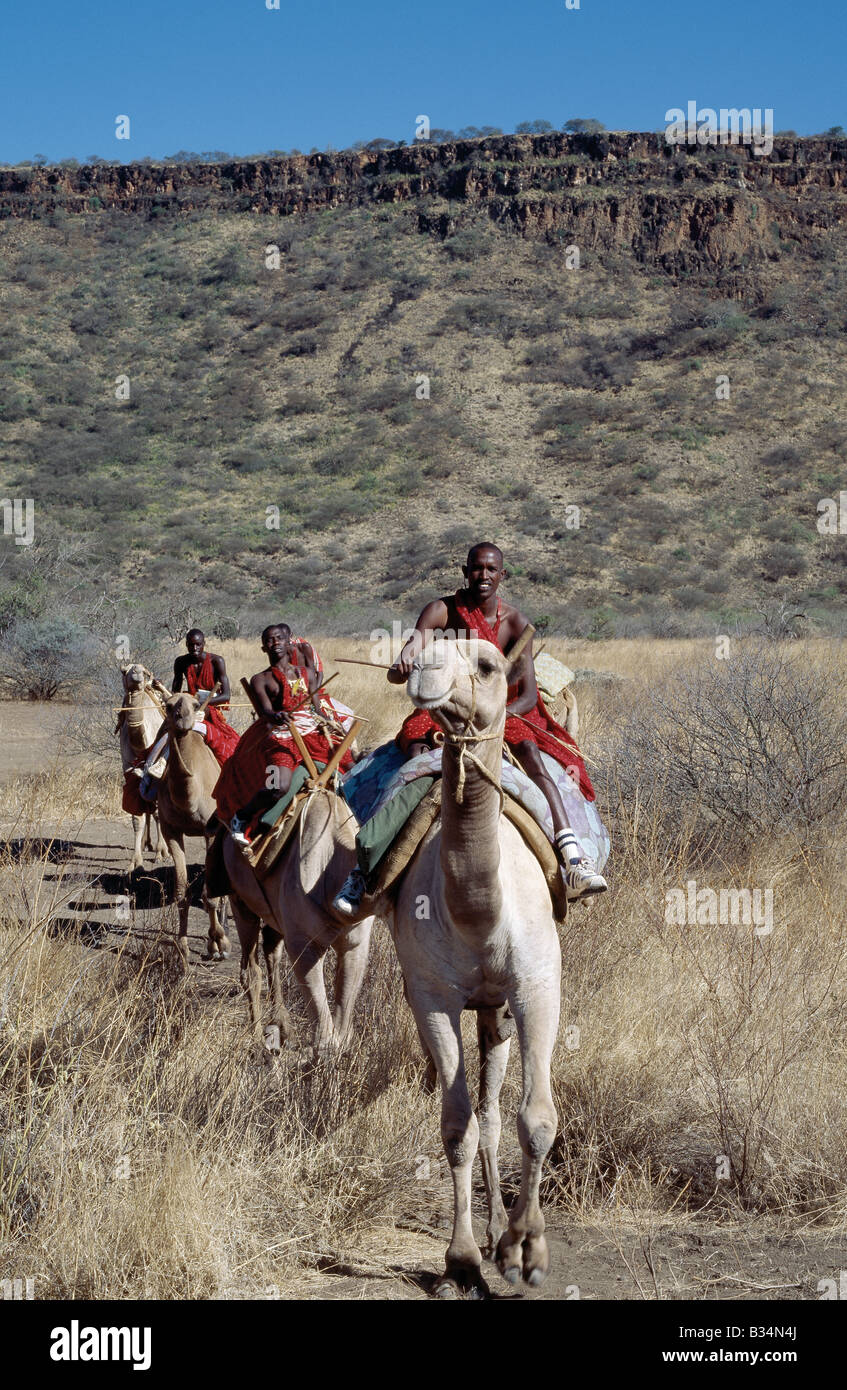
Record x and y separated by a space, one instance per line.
216 687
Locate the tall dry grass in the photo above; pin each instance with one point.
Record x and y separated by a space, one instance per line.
148 1152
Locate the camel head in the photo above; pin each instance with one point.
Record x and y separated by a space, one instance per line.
457 680
135 676
181 712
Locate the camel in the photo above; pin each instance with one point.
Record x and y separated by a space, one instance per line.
185 806
138 724
295 902
473 928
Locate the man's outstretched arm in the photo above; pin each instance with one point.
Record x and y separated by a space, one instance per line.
434 618
263 687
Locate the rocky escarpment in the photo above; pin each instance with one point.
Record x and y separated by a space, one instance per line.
689 211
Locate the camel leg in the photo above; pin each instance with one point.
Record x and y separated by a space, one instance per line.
248 927
176 845
161 843
351 949
307 960
137 855
522 1248
218 944
493 1060
280 1017
148 831
441 1034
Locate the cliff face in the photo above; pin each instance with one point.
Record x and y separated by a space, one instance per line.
686 210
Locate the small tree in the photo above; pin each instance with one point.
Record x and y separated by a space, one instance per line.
533 128
581 125
41 657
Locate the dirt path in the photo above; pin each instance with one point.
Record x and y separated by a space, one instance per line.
690 1260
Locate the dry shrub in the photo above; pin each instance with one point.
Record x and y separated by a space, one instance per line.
148 1150
751 742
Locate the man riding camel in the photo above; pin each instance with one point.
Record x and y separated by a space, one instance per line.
286 693
200 670
478 610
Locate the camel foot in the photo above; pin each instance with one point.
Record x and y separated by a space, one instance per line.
462 1281
527 1256
492 1240
273 1039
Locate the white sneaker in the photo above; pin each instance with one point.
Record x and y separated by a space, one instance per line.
348 899
582 879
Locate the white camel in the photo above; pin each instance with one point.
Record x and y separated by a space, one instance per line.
138 724
295 902
473 927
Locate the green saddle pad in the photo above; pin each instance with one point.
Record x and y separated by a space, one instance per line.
299 777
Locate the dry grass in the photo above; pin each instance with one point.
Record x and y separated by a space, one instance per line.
147 1152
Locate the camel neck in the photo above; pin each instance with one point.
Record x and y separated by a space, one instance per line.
136 707
470 847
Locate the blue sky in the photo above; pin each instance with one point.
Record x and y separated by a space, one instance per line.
236 76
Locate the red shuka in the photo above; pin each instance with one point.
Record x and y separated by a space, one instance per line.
267 745
540 727
220 735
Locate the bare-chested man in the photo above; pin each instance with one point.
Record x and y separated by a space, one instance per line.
200 670
478 609
286 692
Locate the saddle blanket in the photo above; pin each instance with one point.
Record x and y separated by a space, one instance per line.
380 775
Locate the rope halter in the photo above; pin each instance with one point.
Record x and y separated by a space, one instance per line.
461 741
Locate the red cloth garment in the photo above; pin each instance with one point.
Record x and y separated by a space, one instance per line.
540 727
418 725
267 745
220 735
131 799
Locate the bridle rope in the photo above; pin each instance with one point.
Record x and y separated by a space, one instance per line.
461 741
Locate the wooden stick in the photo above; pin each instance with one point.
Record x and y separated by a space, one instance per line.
261 714
318 688
295 733
254 704
338 754
303 751
517 651
570 747
357 661
201 709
